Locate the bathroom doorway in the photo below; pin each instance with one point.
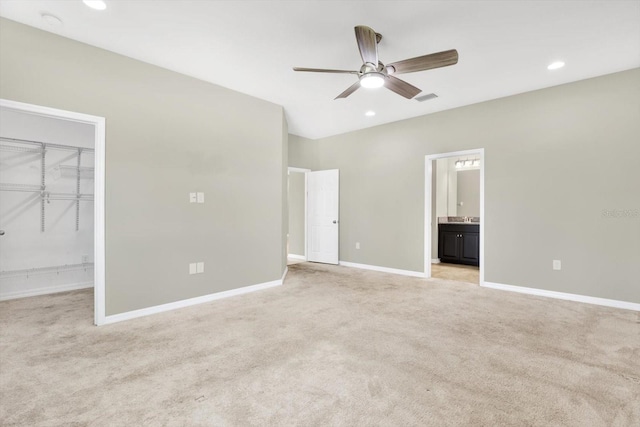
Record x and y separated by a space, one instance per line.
454 216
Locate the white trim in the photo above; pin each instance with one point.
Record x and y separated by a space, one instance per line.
99 190
284 274
382 269
306 231
435 261
564 296
45 291
99 208
301 170
114 318
428 196
428 181
302 257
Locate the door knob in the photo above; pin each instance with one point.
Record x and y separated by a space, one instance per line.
1 232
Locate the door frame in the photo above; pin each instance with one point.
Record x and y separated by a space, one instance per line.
99 190
304 171
428 205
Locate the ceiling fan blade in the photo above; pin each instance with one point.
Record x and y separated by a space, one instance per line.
349 90
426 62
401 87
368 44
323 70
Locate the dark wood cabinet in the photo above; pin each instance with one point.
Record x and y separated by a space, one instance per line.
459 243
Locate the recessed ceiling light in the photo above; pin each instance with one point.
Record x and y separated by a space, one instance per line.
51 20
370 113
555 65
96 4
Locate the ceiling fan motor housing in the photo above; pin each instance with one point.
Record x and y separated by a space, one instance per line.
370 68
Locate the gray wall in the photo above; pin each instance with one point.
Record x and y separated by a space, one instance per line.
468 188
302 152
167 135
555 160
296 213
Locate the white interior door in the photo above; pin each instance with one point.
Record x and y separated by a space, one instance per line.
323 198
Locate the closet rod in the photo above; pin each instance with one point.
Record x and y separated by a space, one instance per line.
49 145
44 270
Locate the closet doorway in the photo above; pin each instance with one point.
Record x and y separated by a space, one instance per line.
52 211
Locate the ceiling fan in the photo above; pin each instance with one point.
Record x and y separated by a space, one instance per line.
374 73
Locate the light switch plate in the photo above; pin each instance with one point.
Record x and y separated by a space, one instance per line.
557 264
193 268
200 267
193 198
200 197
357 245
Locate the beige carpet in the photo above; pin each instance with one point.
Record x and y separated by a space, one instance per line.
291 261
333 346
458 272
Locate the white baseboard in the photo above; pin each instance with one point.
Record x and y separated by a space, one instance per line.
435 261
565 296
293 256
45 291
383 269
284 274
114 318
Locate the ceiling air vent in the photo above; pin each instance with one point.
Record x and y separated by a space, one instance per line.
426 97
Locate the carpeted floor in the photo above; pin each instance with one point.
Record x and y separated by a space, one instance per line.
332 346
459 272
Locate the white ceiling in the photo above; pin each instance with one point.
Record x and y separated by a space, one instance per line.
250 46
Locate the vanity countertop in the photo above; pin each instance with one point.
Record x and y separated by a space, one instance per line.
461 223
471 220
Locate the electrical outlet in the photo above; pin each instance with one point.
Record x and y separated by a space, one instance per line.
357 245
193 197
200 267
200 197
557 264
193 268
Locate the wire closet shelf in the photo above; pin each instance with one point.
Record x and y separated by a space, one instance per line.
25 146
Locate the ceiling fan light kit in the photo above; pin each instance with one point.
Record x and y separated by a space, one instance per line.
372 80
374 74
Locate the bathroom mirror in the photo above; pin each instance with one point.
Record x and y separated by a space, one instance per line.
457 187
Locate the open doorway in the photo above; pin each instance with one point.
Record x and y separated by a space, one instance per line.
52 218
454 216
314 230
297 201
